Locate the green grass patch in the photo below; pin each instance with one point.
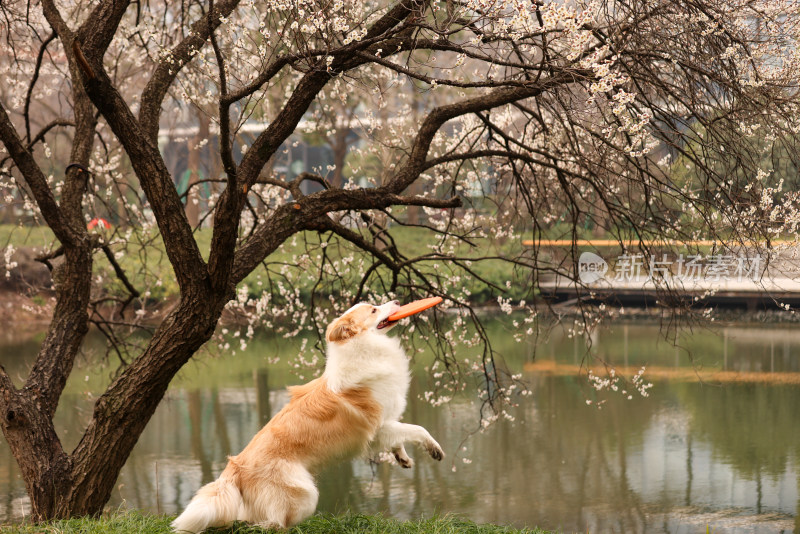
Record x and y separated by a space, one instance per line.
147 266
31 236
136 522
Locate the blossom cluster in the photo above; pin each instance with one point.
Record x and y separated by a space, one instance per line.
613 382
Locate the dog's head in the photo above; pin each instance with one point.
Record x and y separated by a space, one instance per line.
360 319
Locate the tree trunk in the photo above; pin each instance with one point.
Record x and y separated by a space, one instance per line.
122 412
62 485
27 414
46 469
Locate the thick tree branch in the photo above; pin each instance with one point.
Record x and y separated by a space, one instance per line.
225 145
439 116
312 83
294 185
28 425
155 178
27 430
56 22
87 45
168 69
305 214
69 325
99 28
222 258
96 32
129 402
224 234
274 67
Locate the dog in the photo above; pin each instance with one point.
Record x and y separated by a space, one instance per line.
353 407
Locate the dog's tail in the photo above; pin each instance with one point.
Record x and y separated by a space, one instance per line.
215 505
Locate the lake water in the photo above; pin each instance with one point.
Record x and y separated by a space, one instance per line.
722 453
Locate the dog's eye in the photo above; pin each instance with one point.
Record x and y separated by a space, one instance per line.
374 310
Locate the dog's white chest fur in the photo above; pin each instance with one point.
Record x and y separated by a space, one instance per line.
374 361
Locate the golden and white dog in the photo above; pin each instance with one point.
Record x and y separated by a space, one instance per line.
357 401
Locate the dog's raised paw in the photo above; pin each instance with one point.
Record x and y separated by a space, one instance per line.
434 450
405 463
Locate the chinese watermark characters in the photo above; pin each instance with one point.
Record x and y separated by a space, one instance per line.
633 267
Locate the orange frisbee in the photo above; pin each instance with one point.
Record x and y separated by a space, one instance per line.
414 307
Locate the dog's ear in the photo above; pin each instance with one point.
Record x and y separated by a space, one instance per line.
341 329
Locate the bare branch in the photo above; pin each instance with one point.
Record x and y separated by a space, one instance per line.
357 239
224 109
36 182
45 258
230 204
40 136
372 58
119 271
32 84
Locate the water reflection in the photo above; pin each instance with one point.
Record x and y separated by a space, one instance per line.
692 455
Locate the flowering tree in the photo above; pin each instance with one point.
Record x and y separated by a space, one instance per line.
493 117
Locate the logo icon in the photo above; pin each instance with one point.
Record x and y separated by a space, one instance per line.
591 267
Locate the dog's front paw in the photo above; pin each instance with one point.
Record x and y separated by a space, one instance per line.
405 463
434 450
403 458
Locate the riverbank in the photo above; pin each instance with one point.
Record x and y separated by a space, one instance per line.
144 261
127 522
27 295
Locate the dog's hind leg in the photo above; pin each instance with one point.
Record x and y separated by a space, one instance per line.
285 498
305 503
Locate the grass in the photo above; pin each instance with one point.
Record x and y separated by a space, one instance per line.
137 522
145 262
